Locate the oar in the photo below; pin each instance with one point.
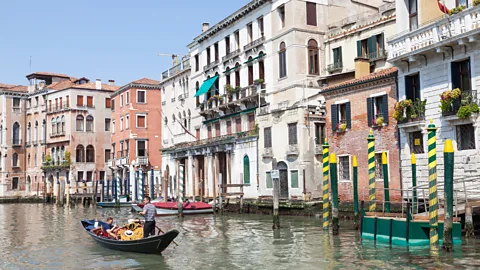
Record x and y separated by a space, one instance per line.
164 233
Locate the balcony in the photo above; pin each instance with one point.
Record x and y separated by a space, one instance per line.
17 110
111 163
42 142
60 107
57 134
292 150
142 161
16 143
184 65
267 153
56 165
410 115
456 29
231 55
254 44
122 158
462 106
335 67
212 65
318 150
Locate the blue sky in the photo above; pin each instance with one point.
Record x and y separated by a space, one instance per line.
104 39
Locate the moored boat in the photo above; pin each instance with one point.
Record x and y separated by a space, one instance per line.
113 204
171 208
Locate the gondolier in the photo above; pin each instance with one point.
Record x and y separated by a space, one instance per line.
149 214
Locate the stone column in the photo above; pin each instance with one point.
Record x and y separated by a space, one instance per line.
216 175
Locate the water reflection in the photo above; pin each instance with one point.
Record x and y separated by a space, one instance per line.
46 236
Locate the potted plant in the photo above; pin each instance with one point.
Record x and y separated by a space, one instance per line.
379 121
465 111
258 81
447 99
341 127
456 10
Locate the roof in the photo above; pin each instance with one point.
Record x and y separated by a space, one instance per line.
17 88
90 86
41 73
146 81
372 76
3 85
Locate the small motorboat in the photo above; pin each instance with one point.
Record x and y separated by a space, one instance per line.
113 204
151 245
171 208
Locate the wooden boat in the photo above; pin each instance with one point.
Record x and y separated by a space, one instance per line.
171 208
151 245
113 204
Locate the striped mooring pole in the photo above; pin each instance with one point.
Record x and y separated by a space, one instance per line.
140 185
371 171
448 186
355 192
152 185
333 181
325 185
114 190
432 172
414 182
180 191
119 189
386 191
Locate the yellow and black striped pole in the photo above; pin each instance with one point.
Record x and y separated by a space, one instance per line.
325 185
371 171
432 172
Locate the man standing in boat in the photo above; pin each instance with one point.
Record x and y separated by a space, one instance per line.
149 214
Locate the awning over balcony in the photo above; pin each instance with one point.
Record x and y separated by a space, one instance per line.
206 86
253 59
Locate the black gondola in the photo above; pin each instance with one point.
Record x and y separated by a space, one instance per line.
151 245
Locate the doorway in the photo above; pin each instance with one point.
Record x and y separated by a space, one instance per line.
283 170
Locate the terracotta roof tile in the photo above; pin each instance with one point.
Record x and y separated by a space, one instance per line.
18 88
3 85
48 74
92 85
146 81
376 75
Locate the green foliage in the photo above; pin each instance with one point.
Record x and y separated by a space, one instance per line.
476 2
447 98
465 111
456 10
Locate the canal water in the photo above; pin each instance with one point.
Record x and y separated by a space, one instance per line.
38 236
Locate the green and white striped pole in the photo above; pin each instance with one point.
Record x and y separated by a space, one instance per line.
448 221
180 192
140 185
414 182
333 180
325 185
119 191
432 172
386 191
371 171
355 192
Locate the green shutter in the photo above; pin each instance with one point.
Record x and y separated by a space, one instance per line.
340 59
334 116
381 44
372 47
385 108
348 116
269 180
335 56
294 179
246 170
370 111
359 48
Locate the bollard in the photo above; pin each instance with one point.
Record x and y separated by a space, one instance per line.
333 181
276 197
355 192
448 187
371 171
414 182
432 172
386 191
325 185
469 229
180 192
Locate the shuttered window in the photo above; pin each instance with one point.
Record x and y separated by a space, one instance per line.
217 130
90 101
337 57
268 179
229 127
292 134
238 125
377 107
79 100
141 96
141 121
311 13
341 114
209 130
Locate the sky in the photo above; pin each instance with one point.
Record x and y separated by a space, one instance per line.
101 39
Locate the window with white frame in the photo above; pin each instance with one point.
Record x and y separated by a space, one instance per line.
141 121
121 100
344 168
121 123
113 126
127 121
141 96
107 124
127 97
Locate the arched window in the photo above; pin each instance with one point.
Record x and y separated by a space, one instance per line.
313 57
80 153
90 154
15 160
261 67
246 170
166 120
54 125
237 74
217 85
90 123
282 60
227 77
250 71
36 131
16 133
80 123
29 133
63 124
44 130
35 160
58 125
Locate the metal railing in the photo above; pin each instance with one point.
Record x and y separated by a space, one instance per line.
414 113
335 67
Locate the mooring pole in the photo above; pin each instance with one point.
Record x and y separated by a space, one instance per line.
180 191
108 190
386 191
276 197
432 172
371 171
136 185
96 192
152 184
355 192
114 190
333 180
414 182
120 182
67 190
469 229
326 198
103 190
448 186
119 190
142 184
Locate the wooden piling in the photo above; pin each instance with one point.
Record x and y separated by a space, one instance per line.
68 194
220 199
334 184
448 187
276 197
469 229
241 200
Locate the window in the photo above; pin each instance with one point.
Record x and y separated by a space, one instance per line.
35 160
246 170
319 133
281 16
251 122
197 63
337 57
250 72
344 168
372 47
108 103
261 70
341 118
127 97
197 133
29 134
217 53
80 177
267 137
79 101
14 183
313 68
208 55
250 32
209 130
141 148
461 75
1 135
113 104
16 102
121 101
80 153
90 154
36 131
238 125
107 124
58 125
113 126
416 142
141 121
227 45
63 124
15 160
121 123
127 121
237 75
90 101
141 96
89 176
465 137
79 123
377 107
217 130
379 166
237 39
260 27
412 87
294 179
292 134
282 61
90 123
268 180
311 13
413 14
16 133
229 127
462 3
107 155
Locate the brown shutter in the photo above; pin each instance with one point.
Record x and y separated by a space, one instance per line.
89 101
209 132
238 127
108 103
68 101
61 103
217 130
79 100
229 127
141 121
251 121
311 13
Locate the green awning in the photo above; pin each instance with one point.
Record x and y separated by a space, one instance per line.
206 122
253 59
230 70
249 110
206 86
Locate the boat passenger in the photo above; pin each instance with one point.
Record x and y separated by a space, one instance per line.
109 228
149 214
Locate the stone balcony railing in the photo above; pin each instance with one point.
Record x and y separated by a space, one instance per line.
142 161
445 30
231 55
211 65
267 153
335 67
254 44
292 150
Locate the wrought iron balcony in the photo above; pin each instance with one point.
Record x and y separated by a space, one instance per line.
338 66
231 55
254 44
211 65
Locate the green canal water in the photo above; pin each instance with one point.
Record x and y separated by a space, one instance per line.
37 236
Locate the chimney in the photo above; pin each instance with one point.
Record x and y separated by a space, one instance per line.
98 84
362 67
205 27
111 82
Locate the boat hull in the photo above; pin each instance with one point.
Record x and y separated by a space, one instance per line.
173 212
113 204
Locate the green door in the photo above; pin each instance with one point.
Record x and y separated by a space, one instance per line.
246 170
